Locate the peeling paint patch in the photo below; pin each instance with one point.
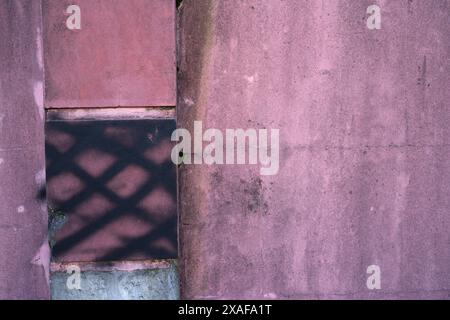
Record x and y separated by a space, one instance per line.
40 177
251 79
39 50
42 258
2 116
38 93
38 86
189 102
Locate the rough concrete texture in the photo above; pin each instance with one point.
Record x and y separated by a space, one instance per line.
154 284
122 55
364 149
24 254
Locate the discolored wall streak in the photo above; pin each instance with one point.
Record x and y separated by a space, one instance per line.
24 253
364 149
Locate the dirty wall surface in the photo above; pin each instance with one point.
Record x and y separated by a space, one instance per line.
364 149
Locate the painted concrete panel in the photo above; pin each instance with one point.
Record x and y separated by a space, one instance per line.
152 284
111 188
24 254
123 53
364 149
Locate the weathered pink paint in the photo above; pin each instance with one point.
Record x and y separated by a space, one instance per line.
365 157
124 54
24 251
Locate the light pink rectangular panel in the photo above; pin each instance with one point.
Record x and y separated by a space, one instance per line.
123 55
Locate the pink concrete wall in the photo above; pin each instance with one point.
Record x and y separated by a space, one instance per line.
24 255
364 149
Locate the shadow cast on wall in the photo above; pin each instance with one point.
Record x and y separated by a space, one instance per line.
111 190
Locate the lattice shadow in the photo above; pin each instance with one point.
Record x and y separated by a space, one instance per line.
111 189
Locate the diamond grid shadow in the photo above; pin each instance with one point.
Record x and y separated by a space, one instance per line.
111 189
